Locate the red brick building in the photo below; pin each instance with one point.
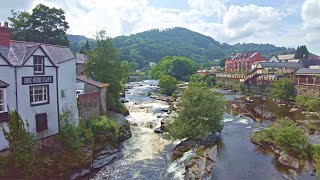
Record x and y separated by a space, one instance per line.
243 62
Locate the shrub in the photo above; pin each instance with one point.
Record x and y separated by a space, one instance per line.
309 104
100 124
149 93
70 133
23 146
282 89
284 135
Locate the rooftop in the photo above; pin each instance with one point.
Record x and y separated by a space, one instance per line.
91 81
280 65
19 52
307 71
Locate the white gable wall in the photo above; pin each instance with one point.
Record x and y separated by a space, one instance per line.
273 59
38 52
67 83
7 74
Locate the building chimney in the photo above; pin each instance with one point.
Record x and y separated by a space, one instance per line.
5 35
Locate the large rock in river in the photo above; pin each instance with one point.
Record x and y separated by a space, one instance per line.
289 161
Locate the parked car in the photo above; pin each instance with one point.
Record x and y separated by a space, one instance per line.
79 92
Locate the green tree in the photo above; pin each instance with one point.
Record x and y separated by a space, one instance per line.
23 146
44 25
86 48
301 52
222 62
125 67
104 66
201 113
282 90
178 67
168 85
133 66
208 80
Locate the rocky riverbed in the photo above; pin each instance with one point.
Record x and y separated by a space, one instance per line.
147 155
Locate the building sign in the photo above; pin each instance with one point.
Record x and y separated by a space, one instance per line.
37 80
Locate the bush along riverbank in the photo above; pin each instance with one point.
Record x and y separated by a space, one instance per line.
291 144
77 151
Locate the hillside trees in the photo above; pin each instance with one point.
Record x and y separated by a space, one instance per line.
104 66
201 113
43 25
178 67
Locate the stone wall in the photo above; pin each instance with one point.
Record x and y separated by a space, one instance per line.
309 91
89 104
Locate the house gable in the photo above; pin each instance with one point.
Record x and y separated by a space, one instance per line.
38 52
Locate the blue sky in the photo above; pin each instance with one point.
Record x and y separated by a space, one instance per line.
280 22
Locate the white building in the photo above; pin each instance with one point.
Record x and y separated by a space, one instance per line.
38 81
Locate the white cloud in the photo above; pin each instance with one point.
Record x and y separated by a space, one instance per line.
209 7
310 14
215 18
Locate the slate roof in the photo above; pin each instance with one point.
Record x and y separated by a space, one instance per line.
20 51
3 84
309 62
280 65
305 71
243 56
91 81
285 57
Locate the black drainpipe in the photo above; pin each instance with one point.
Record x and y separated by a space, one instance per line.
57 82
15 73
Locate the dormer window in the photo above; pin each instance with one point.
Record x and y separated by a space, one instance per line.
38 65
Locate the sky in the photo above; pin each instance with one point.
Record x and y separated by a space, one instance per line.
287 23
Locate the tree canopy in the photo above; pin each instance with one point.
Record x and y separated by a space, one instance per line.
201 113
301 52
168 85
283 89
176 66
104 66
44 25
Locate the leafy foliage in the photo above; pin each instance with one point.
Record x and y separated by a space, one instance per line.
23 146
201 113
70 133
44 25
168 85
284 135
208 80
178 67
100 124
308 103
301 52
104 66
282 89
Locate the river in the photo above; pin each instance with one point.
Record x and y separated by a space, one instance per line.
147 155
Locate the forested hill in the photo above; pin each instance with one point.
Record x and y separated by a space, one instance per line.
153 45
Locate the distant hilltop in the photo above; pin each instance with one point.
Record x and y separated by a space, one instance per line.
153 45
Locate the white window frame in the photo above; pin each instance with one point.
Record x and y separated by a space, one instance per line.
35 94
4 100
36 64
